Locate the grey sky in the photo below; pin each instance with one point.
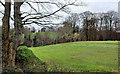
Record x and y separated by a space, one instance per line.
92 5
97 6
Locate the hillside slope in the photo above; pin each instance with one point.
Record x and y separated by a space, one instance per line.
80 56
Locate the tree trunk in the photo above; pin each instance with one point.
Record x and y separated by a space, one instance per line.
6 49
17 28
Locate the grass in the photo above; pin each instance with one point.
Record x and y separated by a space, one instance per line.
93 56
52 35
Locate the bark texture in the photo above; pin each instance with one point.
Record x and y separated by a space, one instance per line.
6 49
18 29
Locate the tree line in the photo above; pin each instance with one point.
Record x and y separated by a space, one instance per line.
85 26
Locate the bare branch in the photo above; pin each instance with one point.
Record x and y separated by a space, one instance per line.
46 3
40 17
2 3
1 12
31 6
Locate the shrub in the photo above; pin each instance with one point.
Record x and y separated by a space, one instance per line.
26 60
23 54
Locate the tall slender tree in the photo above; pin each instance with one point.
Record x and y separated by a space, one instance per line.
6 49
17 28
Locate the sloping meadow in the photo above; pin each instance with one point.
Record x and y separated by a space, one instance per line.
83 56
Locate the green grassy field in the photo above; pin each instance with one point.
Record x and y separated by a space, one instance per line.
51 35
93 56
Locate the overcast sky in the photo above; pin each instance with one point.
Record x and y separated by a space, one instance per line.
93 6
98 6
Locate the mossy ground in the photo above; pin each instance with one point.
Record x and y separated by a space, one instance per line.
28 62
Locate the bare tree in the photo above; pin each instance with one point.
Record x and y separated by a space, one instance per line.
29 18
6 48
17 28
86 17
72 21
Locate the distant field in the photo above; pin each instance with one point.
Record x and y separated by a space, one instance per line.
51 35
81 56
